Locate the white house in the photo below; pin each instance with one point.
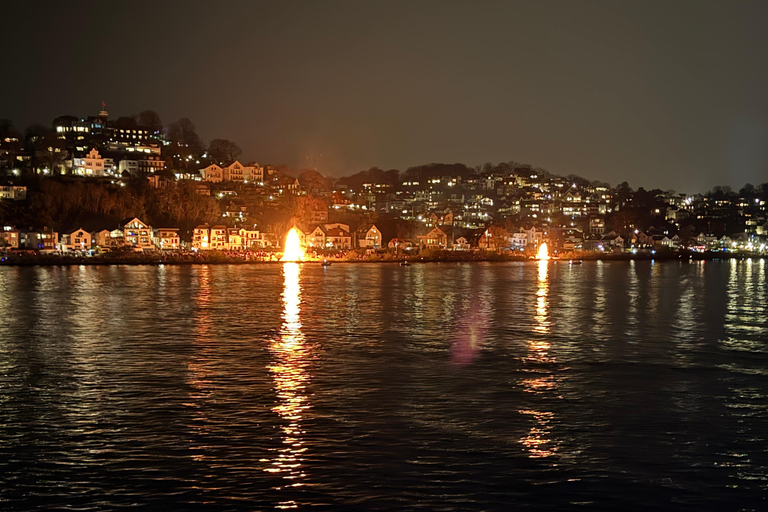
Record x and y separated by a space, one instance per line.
78 240
90 165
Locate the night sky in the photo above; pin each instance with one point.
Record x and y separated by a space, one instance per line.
670 95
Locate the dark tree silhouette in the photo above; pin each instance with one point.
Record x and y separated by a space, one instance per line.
223 151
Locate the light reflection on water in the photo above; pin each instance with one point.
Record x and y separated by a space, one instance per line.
379 387
290 371
538 441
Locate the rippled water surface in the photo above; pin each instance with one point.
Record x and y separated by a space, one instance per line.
604 386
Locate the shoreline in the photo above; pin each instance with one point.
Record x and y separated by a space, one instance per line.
218 259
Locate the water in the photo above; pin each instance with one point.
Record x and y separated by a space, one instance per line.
525 386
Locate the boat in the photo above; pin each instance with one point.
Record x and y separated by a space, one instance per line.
404 263
326 263
574 262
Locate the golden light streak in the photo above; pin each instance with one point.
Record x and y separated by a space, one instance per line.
538 441
290 373
293 250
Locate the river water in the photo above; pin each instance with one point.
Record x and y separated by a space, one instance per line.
464 386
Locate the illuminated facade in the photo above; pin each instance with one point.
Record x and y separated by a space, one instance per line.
138 234
167 238
212 173
90 165
78 240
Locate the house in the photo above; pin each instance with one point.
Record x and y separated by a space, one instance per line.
236 208
234 239
91 164
252 239
77 240
315 237
319 214
707 240
138 234
201 237
526 237
9 238
337 237
611 240
368 236
212 173
254 173
661 241
233 172
13 192
219 240
434 239
44 240
461 244
596 226
167 239
101 238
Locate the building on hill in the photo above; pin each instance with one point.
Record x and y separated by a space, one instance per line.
213 173
233 172
91 164
253 173
319 214
13 192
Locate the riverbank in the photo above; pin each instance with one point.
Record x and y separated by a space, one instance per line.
216 258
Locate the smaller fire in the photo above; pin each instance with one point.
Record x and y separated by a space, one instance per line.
543 253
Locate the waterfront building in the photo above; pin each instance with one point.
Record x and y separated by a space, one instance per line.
219 239
101 238
45 240
77 240
368 236
138 234
201 237
436 238
234 239
167 238
9 238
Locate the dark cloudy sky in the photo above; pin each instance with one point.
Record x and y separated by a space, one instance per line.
668 94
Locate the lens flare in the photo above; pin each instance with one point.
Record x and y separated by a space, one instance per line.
293 250
543 253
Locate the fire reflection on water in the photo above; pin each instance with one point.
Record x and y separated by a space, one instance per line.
290 372
538 441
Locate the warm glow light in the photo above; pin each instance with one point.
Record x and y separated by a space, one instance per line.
543 253
293 250
290 371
